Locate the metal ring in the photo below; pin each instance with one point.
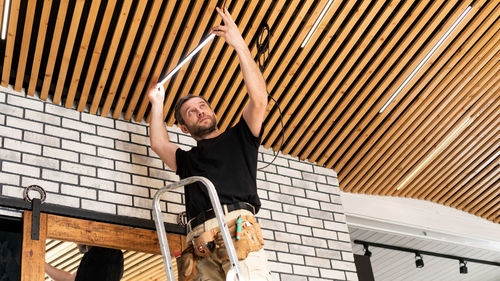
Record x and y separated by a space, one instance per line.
37 188
182 219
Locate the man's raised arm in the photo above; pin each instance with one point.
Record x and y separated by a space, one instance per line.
160 143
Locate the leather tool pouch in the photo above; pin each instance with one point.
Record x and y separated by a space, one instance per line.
251 239
187 265
204 244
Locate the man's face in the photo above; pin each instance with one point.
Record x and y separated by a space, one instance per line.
199 118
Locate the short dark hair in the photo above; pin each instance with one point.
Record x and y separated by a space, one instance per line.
180 102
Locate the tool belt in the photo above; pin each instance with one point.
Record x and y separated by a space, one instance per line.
211 242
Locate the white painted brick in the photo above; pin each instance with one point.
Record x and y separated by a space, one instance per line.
292 190
11 213
97 120
130 147
147 161
79 126
60 154
9 179
114 175
279 161
59 199
294 277
317 196
268 185
78 191
173 196
11 155
315 242
348 256
97 161
281 197
11 132
332 274
304 184
142 140
289 172
310 222
112 133
25 102
131 168
333 181
48 186
328 254
12 191
186 140
173 137
24 170
96 140
79 147
303 166
284 217
332 207
175 208
42 139
130 127
100 207
144 203
342 265
22 146
278 179
113 154
314 177
302 250
327 188
146 181
132 189
276 246
11 110
267 234
41 161
59 176
262 194
305 270
280 267
264 214
97 183
298 229
163 174
287 237
62 133
134 212
270 205
295 210
261 175
169 218
24 124
61 111
352 276
321 214
336 199
2 119
272 225
306 202
339 217
268 169
337 226
324 171
115 198
338 245
318 262
327 234
290 258
78 169
42 117
2 95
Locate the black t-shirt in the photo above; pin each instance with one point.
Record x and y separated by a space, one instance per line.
100 264
229 161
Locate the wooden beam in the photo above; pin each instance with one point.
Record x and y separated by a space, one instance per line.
10 41
33 252
25 44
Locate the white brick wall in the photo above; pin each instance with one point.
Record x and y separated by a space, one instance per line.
106 165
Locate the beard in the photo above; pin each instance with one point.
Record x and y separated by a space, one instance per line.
199 132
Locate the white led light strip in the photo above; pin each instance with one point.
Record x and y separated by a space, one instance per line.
5 18
311 32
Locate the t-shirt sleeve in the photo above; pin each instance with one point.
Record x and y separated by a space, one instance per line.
247 133
180 159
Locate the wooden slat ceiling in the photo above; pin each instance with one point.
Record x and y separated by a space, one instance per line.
102 56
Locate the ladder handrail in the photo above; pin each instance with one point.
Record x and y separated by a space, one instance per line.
162 236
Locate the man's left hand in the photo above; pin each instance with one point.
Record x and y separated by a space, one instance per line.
229 31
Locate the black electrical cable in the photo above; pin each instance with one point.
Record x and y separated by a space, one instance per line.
263 45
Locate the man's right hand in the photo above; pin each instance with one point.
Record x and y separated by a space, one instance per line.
156 95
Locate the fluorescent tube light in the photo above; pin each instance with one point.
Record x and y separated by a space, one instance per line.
169 75
426 58
5 18
465 123
311 32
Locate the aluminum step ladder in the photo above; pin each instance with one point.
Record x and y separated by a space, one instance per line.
234 273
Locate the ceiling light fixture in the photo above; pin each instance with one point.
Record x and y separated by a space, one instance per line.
5 18
311 32
465 123
419 262
426 58
463 266
194 52
367 252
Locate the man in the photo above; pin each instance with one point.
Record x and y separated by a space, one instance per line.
228 159
97 264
